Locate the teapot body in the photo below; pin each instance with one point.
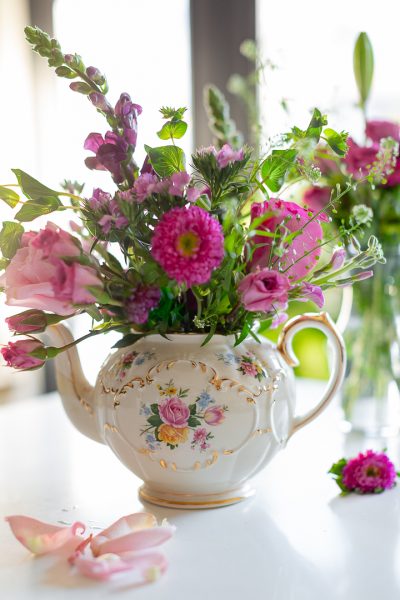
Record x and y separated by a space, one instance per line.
195 422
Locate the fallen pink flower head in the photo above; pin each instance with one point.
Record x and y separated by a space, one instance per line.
368 473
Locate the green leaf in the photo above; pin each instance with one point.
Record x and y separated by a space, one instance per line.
275 167
337 141
193 409
154 408
10 238
101 296
363 66
129 340
154 420
37 208
318 120
193 422
172 129
166 160
9 196
172 113
4 262
31 187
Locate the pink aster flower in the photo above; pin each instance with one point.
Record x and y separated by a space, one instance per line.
369 472
227 155
188 244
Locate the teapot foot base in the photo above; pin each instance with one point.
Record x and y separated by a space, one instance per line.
195 501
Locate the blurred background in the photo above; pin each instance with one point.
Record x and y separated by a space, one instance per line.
163 52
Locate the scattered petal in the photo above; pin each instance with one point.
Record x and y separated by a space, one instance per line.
39 537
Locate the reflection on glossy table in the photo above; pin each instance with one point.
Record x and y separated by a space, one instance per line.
295 540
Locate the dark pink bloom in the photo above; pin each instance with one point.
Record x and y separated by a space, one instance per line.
200 435
188 244
309 291
264 290
100 200
178 182
359 159
227 155
174 412
369 472
29 321
142 301
110 152
145 185
317 197
38 277
128 113
17 354
100 101
293 217
376 130
214 415
114 219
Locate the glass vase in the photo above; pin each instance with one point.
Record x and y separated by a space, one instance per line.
371 396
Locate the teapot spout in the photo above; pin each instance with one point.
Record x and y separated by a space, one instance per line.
76 393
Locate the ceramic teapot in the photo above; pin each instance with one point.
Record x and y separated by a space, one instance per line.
194 422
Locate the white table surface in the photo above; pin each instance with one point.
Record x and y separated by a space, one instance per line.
295 540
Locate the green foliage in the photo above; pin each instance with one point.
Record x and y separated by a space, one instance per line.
9 196
172 113
31 187
275 167
10 238
363 65
66 72
129 340
220 122
166 160
37 208
336 471
173 129
337 141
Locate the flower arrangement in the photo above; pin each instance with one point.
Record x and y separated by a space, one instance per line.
368 473
206 252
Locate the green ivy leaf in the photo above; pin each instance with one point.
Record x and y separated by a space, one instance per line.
9 196
275 167
172 113
318 120
154 420
193 409
31 187
166 160
37 208
172 129
363 66
10 238
129 340
337 141
154 408
193 422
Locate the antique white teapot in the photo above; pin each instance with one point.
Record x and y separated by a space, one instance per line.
194 422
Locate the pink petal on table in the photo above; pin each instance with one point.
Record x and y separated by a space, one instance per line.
40 537
137 540
149 565
124 526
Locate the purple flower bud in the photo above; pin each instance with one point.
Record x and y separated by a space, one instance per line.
338 258
100 101
94 73
363 275
69 58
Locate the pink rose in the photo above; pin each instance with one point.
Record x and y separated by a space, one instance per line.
293 217
27 322
376 130
17 354
264 290
174 412
38 277
214 415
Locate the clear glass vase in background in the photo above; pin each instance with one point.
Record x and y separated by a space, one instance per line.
371 395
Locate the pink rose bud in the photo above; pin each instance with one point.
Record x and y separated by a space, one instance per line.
214 415
30 321
264 290
18 354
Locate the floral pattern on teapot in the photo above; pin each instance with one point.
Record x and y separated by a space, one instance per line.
172 421
247 364
131 358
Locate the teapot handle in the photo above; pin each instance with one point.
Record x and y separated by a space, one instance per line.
324 323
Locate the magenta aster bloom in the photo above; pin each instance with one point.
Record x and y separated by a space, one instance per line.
188 244
368 473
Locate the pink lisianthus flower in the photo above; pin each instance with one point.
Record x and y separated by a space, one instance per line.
369 472
18 354
30 321
309 291
174 412
141 302
214 415
38 277
188 244
294 218
317 198
227 156
264 290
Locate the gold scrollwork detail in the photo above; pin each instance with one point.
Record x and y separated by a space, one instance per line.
109 427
